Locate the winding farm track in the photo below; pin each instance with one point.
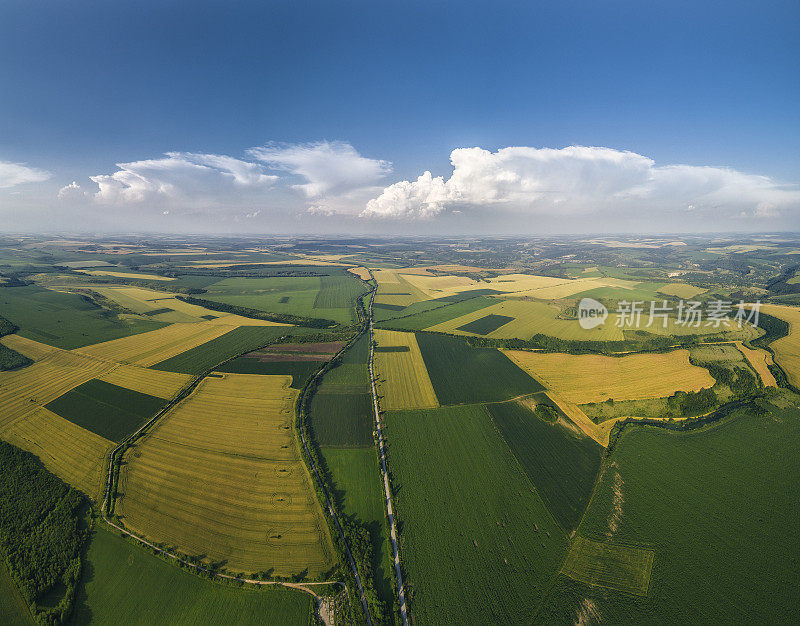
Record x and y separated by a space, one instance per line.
388 492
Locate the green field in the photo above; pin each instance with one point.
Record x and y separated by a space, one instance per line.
108 410
481 374
559 460
486 325
300 371
238 341
606 564
351 369
125 584
717 506
13 610
479 545
341 419
65 320
420 315
359 492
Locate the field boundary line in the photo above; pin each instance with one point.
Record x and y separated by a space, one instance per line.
382 451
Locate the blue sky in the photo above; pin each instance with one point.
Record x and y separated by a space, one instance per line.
89 85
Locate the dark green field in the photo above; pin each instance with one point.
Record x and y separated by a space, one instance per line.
124 584
65 320
718 507
238 341
108 410
341 419
487 324
13 610
461 374
423 314
561 463
468 517
300 371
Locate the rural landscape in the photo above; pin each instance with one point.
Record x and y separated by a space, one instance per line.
395 431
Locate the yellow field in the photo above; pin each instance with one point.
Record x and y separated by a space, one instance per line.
531 317
787 349
395 289
221 476
595 378
34 350
155 346
25 390
152 382
361 272
403 380
759 359
125 275
77 455
579 418
681 290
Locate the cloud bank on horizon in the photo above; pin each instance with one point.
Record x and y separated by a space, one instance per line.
333 180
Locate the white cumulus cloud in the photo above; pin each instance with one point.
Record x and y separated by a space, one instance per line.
73 190
12 174
580 181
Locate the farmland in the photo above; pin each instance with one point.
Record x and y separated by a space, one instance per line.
630 377
253 507
483 550
612 565
483 375
129 585
402 378
698 500
787 349
341 417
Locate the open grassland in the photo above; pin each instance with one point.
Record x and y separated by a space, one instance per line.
26 389
606 564
461 374
125 584
560 460
220 476
595 378
210 354
403 380
787 349
158 345
718 508
715 354
479 545
529 318
105 409
359 492
65 320
75 454
144 380
680 290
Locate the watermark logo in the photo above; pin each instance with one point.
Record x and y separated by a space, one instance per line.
591 313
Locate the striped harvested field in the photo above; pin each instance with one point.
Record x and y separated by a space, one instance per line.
403 379
158 345
69 451
221 476
759 360
787 349
34 350
23 391
595 378
153 382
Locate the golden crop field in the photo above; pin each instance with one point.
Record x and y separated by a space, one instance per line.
403 380
155 346
361 272
758 360
595 378
25 390
531 317
73 453
579 418
152 382
681 290
34 350
221 476
787 349
125 275
396 290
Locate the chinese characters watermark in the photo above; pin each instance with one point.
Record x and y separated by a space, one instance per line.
685 313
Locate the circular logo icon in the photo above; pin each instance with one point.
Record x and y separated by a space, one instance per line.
591 313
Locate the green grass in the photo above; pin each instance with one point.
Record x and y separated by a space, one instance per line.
65 320
108 410
561 462
718 507
606 564
443 313
487 324
13 610
359 492
468 517
238 341
341 419
338 292
300 371
125 584
461 374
